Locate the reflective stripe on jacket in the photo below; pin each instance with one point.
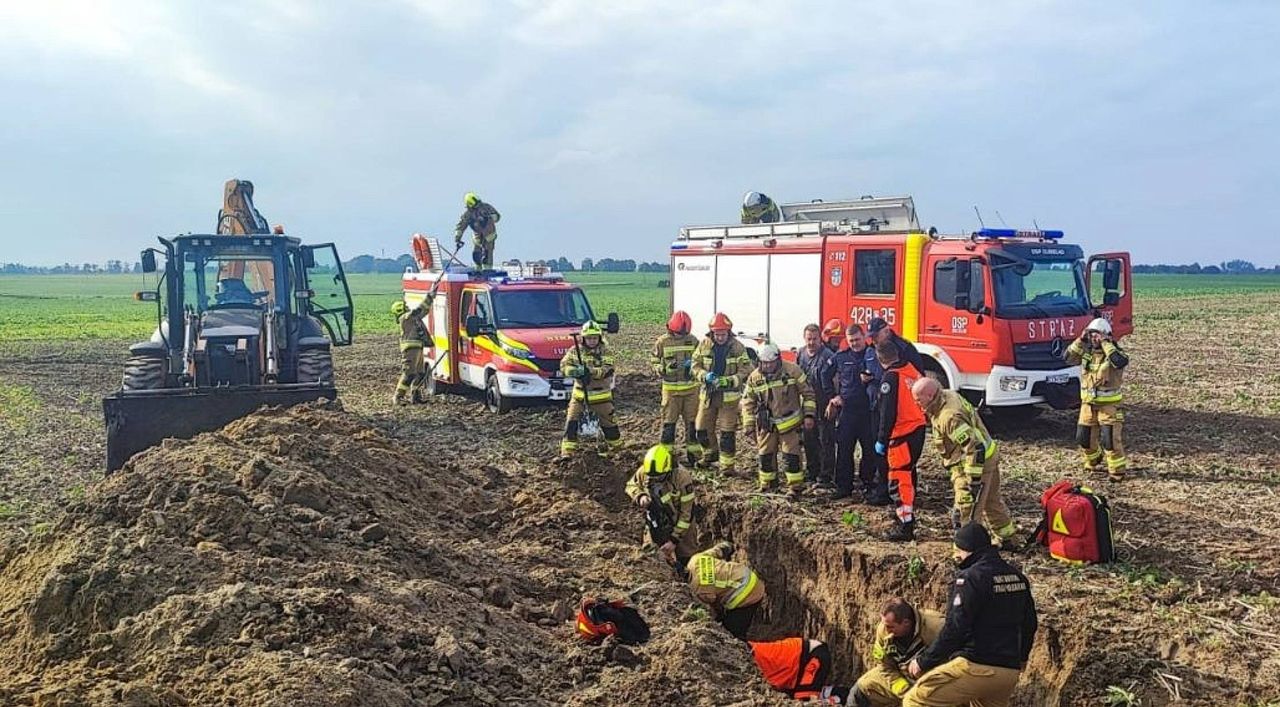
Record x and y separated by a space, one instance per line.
670 352
719 582
599 364
734 369
785 393
959 434
1101 371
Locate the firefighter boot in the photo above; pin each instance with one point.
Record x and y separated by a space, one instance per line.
795 476
612 441
768 472
728 448
400 397
692 447
569 444
901 531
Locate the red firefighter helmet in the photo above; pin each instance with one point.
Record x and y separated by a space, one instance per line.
679 323
720 322
833 329
591 629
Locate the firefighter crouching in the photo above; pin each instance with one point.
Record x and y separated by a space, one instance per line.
665 492
969 453
903 632
777 404
986 639
901 435
672 360
1102 364
732 590
414 340
720 365
758 208
590 364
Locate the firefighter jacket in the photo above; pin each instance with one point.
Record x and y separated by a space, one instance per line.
959 435
991 619
768 212
894 654
844 379
899 414
595 383
723 583
672 360
817 368
675 493
482 219
785 394
413 329
729 362
1101 370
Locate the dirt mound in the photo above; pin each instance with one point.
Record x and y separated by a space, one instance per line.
304 557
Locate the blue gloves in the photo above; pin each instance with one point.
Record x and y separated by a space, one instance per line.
688 365
710 378
880 448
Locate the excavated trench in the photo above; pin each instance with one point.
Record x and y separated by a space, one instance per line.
828 585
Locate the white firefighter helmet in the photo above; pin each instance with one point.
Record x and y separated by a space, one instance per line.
768 353
1100 325
753 199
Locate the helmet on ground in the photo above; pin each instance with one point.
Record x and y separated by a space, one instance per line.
598 618
592 328
590 625
657 461
471 199
768 353
754 200
398 307
679 323
720 322
1100 325
833 329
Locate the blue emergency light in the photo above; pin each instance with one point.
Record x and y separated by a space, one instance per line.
1014 233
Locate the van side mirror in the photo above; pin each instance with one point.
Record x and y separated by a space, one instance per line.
1111 299
148 261
473 326
1111 276
612 323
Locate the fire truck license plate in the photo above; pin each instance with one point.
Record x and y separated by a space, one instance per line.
1061 378
558 394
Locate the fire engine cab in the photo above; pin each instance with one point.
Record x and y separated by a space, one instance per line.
990 312
496 332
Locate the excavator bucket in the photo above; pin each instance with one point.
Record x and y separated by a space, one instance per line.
139 419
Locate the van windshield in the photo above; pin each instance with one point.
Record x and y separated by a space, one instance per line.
540 308
1049 288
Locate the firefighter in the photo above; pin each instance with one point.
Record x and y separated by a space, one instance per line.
819 441
414 339
1102 363
590 364
672 360
900 437
879 330
482 219
969 453
986 639
720 365
731 589
851 408
903 632
659 479
798 667
758 208
777 404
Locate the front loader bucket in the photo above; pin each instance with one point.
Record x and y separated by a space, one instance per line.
140 419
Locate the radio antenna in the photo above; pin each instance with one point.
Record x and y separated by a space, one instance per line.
1002 223
979 213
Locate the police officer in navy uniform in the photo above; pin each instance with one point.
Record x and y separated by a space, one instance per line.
851 406
991 624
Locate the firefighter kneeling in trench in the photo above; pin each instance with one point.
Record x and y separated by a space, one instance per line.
903 632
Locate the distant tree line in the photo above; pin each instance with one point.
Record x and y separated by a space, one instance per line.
370 264
1230 267
111 267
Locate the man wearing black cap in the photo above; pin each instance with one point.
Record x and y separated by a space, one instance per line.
879 330
991 624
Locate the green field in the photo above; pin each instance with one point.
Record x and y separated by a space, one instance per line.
101 306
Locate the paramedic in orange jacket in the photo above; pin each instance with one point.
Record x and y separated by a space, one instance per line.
798 667
900 437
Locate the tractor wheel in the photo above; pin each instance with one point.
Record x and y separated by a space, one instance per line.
143 373
315 366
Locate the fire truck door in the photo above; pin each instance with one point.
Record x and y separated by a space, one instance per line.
441 345
1110 282
472 358
956 313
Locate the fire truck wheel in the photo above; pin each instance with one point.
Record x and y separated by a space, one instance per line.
494 400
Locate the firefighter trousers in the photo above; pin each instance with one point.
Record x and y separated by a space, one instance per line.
1099 434
681 407
482 251
962 682
855 430
991 510
903 454
573 420
738 621
716 429
820 448
412 372
878 686
768 444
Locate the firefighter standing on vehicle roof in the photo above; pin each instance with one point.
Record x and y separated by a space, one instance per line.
482 219
672 360
1098 431
758 208
731 589
414 339
819 441
720 365
903 632
590 364
777 405
853 387
900 437
969 453
798 667
986 639
673 486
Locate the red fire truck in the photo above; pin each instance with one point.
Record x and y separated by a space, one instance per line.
991 312
495 332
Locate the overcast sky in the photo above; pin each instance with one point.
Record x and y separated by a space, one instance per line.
598 128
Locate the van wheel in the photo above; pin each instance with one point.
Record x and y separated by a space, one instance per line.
494 400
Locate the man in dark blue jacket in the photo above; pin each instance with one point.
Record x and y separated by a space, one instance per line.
814 358
852 386
879 330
